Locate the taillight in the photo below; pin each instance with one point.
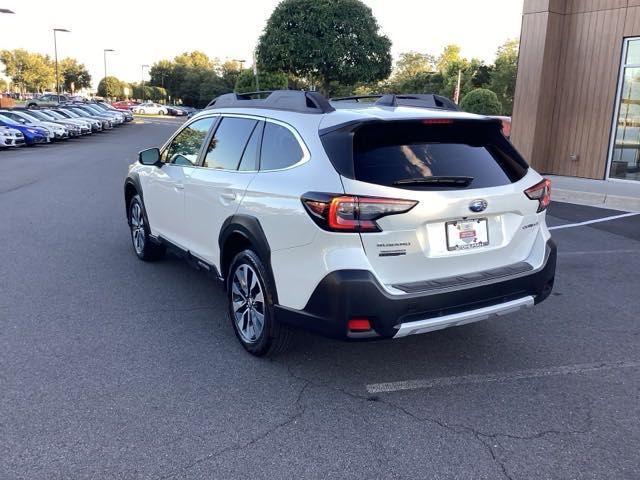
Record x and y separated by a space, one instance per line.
541 192
350 213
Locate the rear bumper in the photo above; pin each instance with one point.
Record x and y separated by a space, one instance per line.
346 294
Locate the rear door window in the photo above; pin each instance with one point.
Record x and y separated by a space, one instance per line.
229 142
419 155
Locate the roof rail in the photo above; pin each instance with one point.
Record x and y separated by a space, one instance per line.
355 98
290 100
420 100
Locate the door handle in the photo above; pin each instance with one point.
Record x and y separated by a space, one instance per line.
228 196
179 186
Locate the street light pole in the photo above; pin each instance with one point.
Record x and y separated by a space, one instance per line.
105 61
55 49
255 70
142 78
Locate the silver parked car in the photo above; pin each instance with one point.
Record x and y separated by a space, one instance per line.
49 100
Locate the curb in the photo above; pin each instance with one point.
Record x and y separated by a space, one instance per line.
603 200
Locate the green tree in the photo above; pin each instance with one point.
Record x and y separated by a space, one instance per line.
157 94
482 76
29 71
503 77
74 75
268 81
229 72
110 87
421 82
481 101
4 85
449 56
161 73
325 41
211 86
411 64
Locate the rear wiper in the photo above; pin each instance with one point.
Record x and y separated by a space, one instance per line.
437 181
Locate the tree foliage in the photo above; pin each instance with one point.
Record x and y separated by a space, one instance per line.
267 81
29 71
422 73
449 56
481 101
74 75
325 41
193 78
411 64
503 76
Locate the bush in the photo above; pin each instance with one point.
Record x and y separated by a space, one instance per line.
110 87
481 101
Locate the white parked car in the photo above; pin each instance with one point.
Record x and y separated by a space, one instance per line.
349 219
10 137
150 108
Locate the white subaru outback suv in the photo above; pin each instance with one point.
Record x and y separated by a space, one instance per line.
351 219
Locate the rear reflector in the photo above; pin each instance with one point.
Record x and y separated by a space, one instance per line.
359 325
540 192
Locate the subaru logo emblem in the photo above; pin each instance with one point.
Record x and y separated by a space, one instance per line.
478 206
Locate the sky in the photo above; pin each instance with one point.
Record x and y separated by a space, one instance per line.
145 31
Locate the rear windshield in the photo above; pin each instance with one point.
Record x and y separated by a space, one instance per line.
422 155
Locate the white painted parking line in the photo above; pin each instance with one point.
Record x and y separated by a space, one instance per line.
498 377
598 252
597 220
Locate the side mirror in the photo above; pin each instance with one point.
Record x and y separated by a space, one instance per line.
150 156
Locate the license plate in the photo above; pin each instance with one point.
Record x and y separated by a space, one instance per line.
467 234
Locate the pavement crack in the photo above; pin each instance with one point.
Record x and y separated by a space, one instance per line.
300 411
485 439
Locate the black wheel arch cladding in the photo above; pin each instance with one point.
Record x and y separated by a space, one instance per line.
250 229
132 181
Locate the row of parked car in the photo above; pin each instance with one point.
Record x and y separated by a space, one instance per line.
152 108
21 126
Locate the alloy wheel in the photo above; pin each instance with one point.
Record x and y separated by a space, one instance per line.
248 306
137 228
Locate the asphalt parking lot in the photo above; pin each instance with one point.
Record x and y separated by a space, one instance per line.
112 368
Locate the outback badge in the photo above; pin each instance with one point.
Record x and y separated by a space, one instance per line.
478 206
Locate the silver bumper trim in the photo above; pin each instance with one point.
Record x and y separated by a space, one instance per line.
456 319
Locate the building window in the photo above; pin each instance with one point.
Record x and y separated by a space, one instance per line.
624 161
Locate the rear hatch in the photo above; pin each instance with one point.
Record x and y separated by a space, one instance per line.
471 216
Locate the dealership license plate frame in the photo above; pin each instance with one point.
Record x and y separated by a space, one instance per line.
457 244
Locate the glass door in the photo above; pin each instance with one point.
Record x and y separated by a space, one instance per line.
624 159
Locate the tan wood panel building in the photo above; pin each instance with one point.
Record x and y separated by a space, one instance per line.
577 105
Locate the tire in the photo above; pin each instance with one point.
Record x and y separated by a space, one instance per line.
143 247
141 112
161 112
247 305
31 105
